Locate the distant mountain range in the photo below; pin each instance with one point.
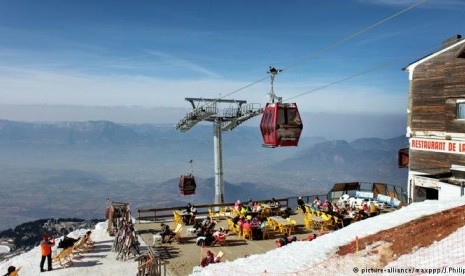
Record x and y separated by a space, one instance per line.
69 169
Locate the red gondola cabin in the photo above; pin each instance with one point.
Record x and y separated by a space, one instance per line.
403 158
187 184
281 125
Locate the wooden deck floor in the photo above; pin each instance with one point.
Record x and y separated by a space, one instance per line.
181 258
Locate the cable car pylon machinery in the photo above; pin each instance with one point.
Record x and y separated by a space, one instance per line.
207 110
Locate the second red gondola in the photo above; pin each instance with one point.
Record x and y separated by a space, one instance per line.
187 184
281 125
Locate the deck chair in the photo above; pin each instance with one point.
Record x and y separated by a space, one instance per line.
64 257
338 223
219 256
223 212
292 227
266 212
213 214
327 222
177 233
177 218
231 225
80 245
273 224
308 221
238 230
268 232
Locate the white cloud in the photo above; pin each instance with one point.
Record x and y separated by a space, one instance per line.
20 86
184 64
434 4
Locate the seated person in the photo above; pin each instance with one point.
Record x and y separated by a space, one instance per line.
205 224
220 235
365 208
310 237
12 271
274 202
240 221
89 239
189 214
220 232
66 242
250 205
209 258
165 231
256 207
317 203
373 209
238 205
246 225
255 222
281 242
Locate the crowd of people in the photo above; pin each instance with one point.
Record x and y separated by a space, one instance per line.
343 211
250 215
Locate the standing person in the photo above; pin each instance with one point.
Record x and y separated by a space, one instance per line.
301 204
46 251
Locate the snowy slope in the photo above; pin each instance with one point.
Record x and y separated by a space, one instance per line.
306 257
98 261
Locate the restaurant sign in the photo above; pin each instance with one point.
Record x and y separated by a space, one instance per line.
446 146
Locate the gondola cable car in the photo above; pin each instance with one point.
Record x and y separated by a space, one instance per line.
187 182
281 124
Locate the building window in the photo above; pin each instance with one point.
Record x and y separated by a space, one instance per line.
461 110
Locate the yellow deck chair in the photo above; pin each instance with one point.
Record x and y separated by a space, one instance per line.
267 232
238 230
293 226
308 221
327 222
177 233
273 224
231 225
212 213
64 257
177 218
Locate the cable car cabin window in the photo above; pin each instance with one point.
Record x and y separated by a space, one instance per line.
293 118
267 122
282 117
461 110
270 121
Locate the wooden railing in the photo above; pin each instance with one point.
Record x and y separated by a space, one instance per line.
166 213
158 214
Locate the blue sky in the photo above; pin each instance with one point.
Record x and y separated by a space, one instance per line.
156 53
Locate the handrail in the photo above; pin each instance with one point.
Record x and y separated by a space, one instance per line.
165 212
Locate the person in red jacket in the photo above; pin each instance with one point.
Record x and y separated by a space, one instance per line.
46 251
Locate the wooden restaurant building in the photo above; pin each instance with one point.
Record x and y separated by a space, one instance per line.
436 123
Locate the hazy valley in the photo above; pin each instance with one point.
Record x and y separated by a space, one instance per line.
71 169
